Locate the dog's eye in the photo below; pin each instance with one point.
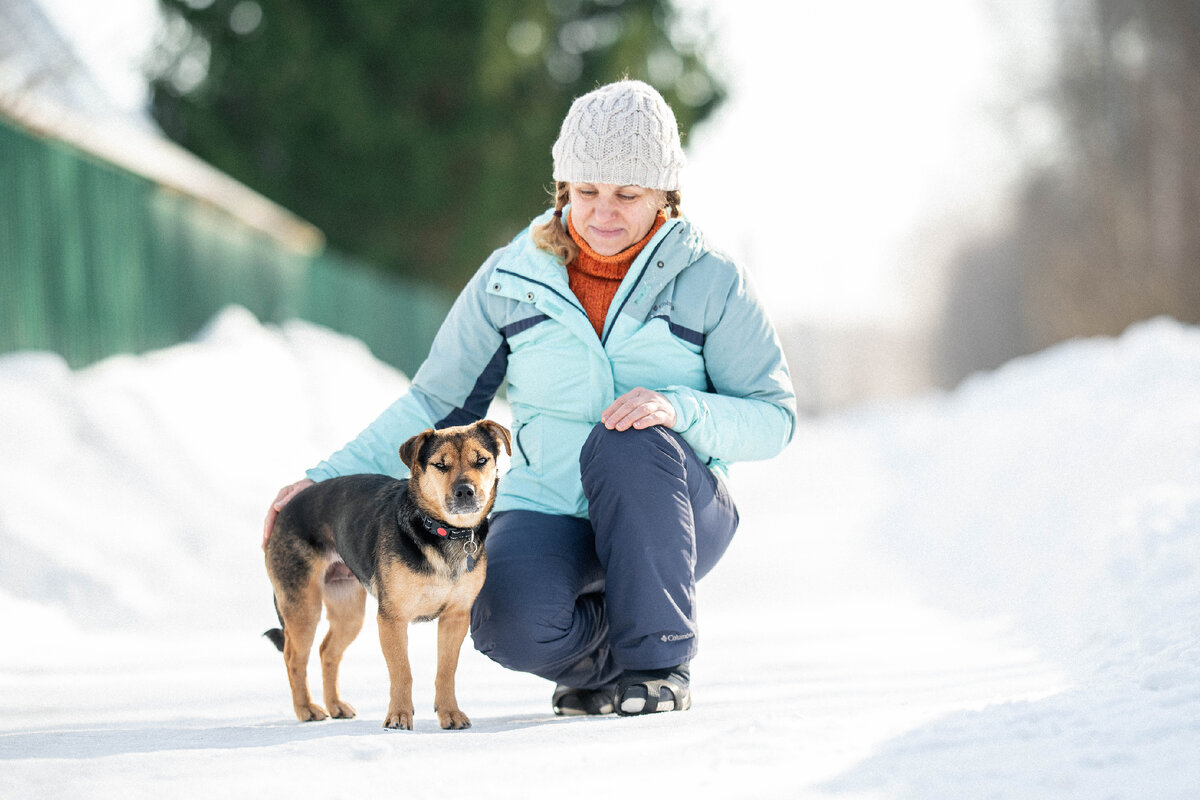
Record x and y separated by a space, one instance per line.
440 466
481 461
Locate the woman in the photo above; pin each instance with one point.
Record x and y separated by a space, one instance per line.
639 363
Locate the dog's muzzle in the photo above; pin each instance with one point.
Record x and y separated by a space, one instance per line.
464 498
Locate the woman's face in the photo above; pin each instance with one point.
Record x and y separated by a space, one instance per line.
611 218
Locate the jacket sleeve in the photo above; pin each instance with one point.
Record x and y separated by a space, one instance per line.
751 412
454 386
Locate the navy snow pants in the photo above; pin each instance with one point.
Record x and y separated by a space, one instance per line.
578 601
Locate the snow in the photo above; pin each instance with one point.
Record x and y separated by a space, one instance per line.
986 593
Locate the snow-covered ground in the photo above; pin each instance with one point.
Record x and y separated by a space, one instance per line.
990 593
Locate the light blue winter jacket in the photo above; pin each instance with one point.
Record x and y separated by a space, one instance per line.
684 322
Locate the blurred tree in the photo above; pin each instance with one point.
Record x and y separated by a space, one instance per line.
417 135
1114 235
1108 232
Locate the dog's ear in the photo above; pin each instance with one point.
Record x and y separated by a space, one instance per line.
409 450
500 433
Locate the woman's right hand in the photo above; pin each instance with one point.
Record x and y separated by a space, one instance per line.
285 495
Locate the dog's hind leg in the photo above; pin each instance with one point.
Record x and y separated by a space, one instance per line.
345 606
301 615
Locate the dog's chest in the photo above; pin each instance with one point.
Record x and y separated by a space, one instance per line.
423 596
431 601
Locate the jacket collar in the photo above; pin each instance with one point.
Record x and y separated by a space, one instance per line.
528 274
677 245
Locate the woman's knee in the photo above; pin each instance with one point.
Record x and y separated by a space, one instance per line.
503 630
527 616
610 452
523 630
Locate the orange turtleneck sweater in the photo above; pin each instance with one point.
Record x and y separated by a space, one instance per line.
595 278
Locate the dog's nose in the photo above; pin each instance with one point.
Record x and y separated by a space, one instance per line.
464 491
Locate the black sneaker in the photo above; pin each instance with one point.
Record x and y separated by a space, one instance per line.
569 702
653 690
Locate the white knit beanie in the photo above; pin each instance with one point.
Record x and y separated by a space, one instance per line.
623 133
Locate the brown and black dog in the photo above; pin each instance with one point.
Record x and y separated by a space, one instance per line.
417 545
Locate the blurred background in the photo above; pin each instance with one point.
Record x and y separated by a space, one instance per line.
919 190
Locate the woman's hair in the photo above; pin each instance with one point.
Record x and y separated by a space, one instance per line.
553 236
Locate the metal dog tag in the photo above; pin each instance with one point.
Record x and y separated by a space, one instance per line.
470 548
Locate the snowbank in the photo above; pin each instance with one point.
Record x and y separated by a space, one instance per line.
989 593
127 487
1062 494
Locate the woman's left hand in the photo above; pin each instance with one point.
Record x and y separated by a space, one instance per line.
639 408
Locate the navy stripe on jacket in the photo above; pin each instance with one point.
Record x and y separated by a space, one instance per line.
475 407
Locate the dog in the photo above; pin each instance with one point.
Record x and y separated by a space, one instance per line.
417 545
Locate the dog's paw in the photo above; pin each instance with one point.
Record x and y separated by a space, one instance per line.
399 720
310 713
453 720
340 709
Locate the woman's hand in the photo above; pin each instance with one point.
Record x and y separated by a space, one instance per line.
281 500
639 408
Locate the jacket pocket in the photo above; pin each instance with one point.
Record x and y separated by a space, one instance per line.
528 441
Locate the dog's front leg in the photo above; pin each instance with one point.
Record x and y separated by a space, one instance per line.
393 637
452 629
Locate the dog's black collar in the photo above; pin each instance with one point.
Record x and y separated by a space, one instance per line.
444 530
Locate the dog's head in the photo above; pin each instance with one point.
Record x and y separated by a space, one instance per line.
454 471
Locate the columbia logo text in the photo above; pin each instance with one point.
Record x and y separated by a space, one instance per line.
676 637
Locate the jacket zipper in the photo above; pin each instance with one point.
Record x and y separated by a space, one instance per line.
632 289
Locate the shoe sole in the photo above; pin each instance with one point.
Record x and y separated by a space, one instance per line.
583 712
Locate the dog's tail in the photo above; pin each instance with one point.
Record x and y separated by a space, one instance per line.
276 637
276 634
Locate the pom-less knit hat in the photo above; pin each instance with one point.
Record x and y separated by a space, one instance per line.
623 133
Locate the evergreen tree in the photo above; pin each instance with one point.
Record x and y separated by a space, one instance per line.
416 134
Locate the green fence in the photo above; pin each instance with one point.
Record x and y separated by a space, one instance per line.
96 260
